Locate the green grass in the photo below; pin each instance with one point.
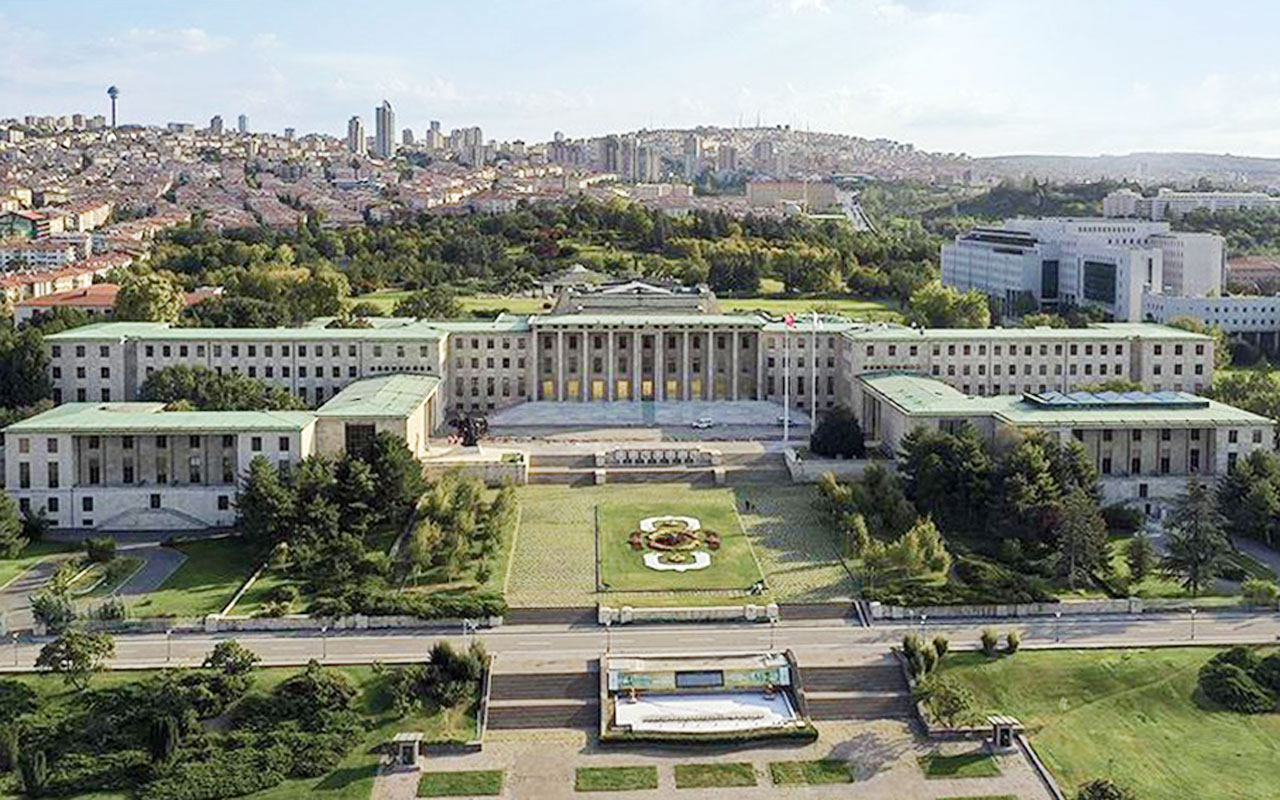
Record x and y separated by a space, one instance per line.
614 779
354 776
31 555
777 305
733 565
205 582
100 580
1158 585
554 557
708 776
1130 714
963 765
386 299
460 784
810 772
981 797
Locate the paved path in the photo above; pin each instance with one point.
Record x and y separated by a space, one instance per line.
161 562
15 598
1258 551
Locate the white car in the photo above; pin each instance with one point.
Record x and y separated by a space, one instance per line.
702 423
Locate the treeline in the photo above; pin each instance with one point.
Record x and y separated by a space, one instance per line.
1247 231
458 531
195 388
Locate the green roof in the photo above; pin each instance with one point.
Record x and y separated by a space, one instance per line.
125 418
643 318
386 396
1100 330
159 331
920 396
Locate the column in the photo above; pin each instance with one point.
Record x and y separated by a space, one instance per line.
686 365
560 365
612 356
586 365
759 365
635 365
733 365
659 365
711 364
535 355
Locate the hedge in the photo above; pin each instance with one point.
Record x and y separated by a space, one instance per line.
230 773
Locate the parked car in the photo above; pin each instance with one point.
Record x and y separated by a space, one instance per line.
702 423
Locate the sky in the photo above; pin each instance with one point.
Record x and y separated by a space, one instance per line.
983 77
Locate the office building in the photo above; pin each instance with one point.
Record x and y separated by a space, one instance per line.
384 131
215 126
1030 264
1170 204
242 123
406 137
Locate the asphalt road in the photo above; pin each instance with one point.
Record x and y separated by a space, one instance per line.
537 646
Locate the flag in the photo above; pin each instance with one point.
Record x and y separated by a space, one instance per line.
790 320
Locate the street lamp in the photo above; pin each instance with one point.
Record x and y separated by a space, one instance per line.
608 636
168 645
923 631
773 630
1057 621
1193 624
324 643
15 648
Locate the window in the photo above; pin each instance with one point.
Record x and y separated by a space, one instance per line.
24 445
1233 437
162 442
224 502
193 442
155 500
51 505
255 444
86 504
53 474
24 475
126 470
1257 436
284 444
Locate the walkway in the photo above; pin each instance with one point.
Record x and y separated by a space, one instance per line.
1258 552
15 599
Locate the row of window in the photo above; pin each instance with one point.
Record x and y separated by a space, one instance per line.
52 506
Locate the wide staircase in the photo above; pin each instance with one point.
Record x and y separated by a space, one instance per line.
865 691
577 467
544 700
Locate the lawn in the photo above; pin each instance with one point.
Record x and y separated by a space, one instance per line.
962 765
708 776
810 772
31 555
354 776
614 779
554 559
851 307
1158 585
1130 715
100 580
460 784
205 582
733 565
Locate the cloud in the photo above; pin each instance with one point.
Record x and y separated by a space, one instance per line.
162 42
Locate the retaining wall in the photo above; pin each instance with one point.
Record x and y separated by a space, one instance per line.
1132 605
810 469
628 614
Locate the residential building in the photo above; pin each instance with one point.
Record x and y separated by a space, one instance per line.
1171 204
384 131
356 139
807 196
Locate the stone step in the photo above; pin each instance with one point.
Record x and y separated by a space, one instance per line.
524 717
856 707
868 678
582 686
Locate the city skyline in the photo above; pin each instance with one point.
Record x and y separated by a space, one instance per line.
929 72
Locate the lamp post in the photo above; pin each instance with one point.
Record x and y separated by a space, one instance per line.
324 643
1193 624
923 630
1057 621
608 637
168 645
773 631
15 648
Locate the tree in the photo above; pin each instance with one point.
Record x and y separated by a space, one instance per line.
1249 496
1082 537
838 434
1141 556
12 539
1196 542
231 658
76 655
34 766
206 390
163 738
398 474
149 297
934 305
948 702
433 302
52 607
24 368
947 476
266 504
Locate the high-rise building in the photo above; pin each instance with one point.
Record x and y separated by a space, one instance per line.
215 125
77 121
384 131
242 124
406 137
289 133
355 135
692 155
726 159
648 164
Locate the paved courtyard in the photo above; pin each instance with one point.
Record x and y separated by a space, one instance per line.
882 754
731 419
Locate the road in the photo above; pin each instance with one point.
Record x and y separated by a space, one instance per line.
814 643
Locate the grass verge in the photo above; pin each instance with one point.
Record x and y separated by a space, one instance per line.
460 784
205 582
614 779
708 776
810 772
962 765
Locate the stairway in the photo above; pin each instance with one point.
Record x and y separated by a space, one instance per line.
869 691
544 700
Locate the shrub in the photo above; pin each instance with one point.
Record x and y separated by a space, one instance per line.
948 702
230 773
1013 641
929 656
10 750
231 658
941 645
111 610
910 645
81 773
1267 672
1243 657
100 549
1121 518
1103 789
990 642
285 593
16 699
54 609
1231 687
35 773
1258 592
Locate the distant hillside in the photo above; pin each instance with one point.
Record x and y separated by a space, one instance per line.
1031 199
1146 168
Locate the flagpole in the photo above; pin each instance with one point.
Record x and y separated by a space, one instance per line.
813 373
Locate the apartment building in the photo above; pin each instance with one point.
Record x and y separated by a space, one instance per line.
1171 204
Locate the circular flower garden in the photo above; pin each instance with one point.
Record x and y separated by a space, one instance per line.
672 542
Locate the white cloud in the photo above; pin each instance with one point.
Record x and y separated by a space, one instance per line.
177 41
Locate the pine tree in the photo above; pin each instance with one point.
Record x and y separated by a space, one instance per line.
1082 537
1196 541
12 539
1141 556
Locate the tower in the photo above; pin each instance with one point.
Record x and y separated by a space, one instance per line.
355 136
243 123
113 93
384 130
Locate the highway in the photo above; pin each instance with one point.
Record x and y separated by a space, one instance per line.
820 642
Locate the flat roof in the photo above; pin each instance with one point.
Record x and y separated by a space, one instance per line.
161 331
396 395
124 418
917 395
643 318
1099 330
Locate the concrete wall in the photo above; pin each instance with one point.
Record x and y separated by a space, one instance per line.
494 472
1130 606
811 469
627 614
